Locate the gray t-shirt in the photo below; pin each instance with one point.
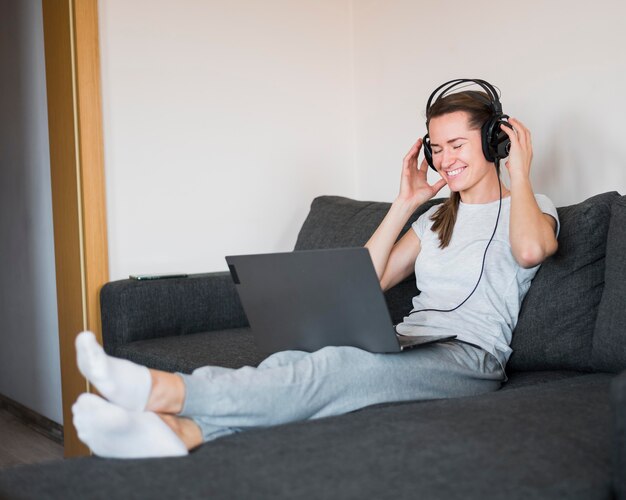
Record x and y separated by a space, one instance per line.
446 277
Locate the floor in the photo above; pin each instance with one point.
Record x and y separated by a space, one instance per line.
20 444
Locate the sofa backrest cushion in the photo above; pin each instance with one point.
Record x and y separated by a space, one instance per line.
557 319
609 338
336 222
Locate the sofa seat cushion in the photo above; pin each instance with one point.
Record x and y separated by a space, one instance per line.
235 348
547 441
232 348
525 379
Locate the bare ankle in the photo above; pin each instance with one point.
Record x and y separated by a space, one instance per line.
185 428
167 394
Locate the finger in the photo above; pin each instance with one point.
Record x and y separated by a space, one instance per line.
414 150
522 131
424 165
518 124
510 132
527 137
438 185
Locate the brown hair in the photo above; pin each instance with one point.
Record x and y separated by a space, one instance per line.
474 103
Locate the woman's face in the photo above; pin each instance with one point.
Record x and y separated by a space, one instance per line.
458 154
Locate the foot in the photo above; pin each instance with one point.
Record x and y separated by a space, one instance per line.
120 381
114 432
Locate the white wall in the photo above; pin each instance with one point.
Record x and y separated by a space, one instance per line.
29 339
559 64
222 121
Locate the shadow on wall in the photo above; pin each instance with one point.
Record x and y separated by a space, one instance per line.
29 347
582 158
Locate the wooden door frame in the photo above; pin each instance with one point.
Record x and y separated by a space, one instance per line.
78 186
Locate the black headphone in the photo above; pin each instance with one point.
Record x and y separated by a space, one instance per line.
496 144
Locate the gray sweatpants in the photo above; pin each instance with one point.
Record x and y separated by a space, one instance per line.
295 385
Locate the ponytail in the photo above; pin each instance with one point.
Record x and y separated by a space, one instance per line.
445 218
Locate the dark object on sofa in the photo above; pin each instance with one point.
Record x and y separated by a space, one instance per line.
556 429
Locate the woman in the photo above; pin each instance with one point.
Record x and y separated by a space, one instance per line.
152 413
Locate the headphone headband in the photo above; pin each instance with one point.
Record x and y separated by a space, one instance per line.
486 86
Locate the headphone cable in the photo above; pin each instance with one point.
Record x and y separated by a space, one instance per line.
484 256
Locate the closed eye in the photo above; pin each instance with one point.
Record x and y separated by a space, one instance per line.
436 152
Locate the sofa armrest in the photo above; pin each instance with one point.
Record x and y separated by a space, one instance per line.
618 401
139 310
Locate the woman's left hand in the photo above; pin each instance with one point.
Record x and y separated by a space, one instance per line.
521 152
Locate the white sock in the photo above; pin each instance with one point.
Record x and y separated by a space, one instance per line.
123 382
114 432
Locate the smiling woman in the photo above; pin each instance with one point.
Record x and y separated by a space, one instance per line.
467 137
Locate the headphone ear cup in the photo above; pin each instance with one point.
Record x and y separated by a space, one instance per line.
428 152
496 143
502 143
486 133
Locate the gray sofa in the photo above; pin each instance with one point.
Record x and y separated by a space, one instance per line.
556 429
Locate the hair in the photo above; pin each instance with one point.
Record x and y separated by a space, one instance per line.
475 104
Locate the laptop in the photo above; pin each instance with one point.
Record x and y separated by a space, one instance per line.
307 300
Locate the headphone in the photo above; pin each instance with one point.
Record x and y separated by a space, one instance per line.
496 144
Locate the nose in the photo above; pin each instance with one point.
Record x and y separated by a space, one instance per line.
447 157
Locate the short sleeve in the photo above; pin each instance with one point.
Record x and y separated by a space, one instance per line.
547 207
423 222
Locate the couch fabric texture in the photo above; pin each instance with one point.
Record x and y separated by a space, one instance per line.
609 339
556 429
556 325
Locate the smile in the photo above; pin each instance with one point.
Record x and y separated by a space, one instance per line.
454 173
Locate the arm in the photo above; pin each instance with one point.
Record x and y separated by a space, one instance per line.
393 261
531 232
401 260
382 245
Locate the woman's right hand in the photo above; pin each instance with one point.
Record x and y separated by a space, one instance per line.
414 187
